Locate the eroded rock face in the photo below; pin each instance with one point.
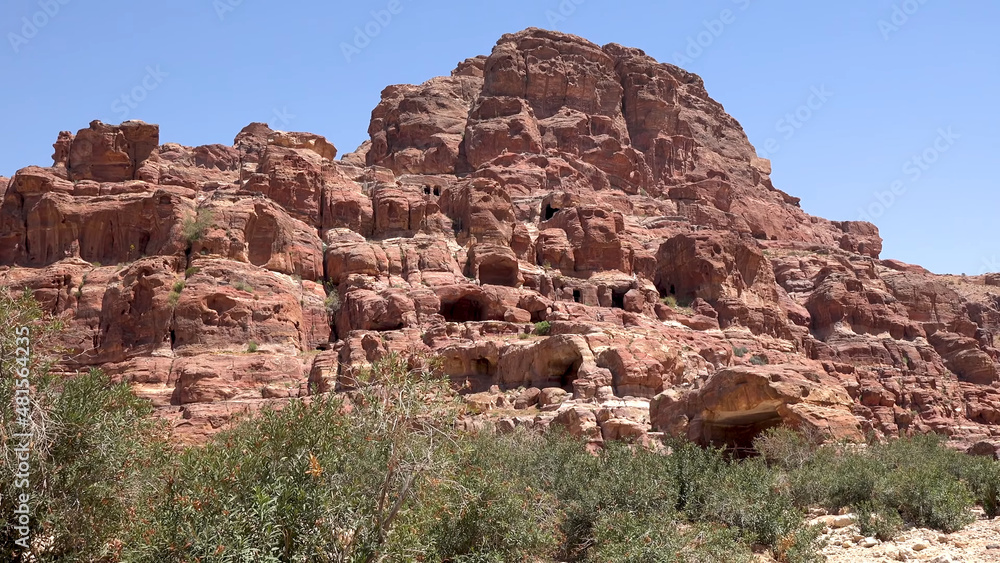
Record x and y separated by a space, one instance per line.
418 129
107 153
316 143
576 233
737 404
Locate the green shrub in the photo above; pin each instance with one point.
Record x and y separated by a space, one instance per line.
848 479
95 451
179 286
669 301
252 347
878 520
192 271
243 286
693 470
746 497
313 483
924 484
629 538
983 478
173 298
759 360
917 479
929 498
492 513
740 351
785 448
803 546
194 227
542 328
332 302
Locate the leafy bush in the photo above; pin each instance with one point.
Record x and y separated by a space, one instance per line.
179 286
629 538
94 450
252 347
759 360
493 513
802 546
878 520
913 480
745 496
196 226
332 302
543 328
785 448
924 483
311 482
983 478
243 286
192 271
740 351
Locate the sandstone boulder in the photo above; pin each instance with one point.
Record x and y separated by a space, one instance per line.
737 404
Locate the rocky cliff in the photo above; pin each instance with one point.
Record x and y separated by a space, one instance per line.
575 234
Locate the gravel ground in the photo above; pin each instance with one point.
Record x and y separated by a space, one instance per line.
979 542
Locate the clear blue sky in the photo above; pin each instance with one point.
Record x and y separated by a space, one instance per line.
210 67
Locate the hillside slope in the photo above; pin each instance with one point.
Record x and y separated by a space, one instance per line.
576 234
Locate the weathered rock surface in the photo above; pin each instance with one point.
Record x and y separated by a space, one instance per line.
578 234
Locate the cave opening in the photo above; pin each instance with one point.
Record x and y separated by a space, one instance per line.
479 377
577 296
736 432
568 377
437 190
141 247
562 374
549 212
464 310
481 366
666 290
427 190
498 272
618 298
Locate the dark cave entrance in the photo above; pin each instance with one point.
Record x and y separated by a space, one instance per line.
464 310
549 212
562 374
618 298
577 296
666 291
482 367
737 431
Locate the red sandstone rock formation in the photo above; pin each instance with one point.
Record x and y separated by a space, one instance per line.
554 180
